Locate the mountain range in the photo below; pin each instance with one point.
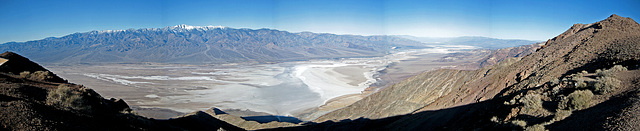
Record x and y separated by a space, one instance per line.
216 44
477 41
209 44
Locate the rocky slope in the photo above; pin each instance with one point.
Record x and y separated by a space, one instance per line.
40 100
190 44
493 97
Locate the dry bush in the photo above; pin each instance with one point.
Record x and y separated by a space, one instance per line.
537 127
519 123
606 84
25 74
495 119
531 101
67 98
618 68
38 75
578 75
577 100
611 71
561 114
580 83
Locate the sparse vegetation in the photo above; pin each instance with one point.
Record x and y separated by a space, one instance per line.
495 119
577 100
38 75
67 98
519 123
561 114
580 83
605 84
611 71
25 74
578 75
537 127
585 84
531 101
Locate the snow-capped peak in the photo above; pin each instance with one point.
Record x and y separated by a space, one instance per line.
183 26
189 27
106 31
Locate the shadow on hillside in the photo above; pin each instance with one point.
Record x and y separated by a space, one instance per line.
595 117
602 63
270 118
466 117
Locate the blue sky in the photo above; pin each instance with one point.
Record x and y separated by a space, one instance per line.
24 20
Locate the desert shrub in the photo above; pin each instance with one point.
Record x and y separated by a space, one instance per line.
38 75
577 100
25 74
519 123
605 84
577 75
561 114
67 98
537 127
618 68
580 83
611 71
495 119
531 101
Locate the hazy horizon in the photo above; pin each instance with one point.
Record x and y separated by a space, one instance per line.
527 20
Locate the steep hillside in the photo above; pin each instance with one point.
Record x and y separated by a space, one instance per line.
42 101
191 44
498 96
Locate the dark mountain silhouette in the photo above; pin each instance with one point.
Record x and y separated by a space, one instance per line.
189 44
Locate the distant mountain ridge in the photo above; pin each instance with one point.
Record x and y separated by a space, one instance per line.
207 44
478 41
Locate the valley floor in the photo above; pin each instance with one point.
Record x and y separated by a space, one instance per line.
303 89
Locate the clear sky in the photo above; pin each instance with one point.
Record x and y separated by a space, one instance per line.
25 20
